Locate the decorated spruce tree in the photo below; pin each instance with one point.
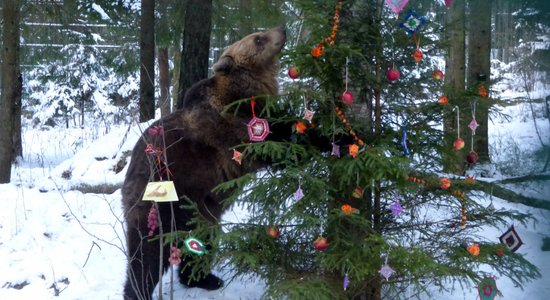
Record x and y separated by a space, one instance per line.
354 204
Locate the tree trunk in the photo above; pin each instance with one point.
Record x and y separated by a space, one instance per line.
455 77
164 82
147 61
479 69
196 45
11 87
245 22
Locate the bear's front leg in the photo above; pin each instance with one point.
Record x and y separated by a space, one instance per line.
209 282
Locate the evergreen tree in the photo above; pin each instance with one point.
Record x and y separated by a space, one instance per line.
382 204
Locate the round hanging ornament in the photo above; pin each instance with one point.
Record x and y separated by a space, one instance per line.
438 75
320 244
293 72
393 74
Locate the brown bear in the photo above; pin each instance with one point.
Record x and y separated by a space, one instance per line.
196 141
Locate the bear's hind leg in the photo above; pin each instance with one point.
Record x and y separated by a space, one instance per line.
143 266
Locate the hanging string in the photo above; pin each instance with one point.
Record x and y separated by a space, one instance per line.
347 62
253 105
473 124
457 119
404 140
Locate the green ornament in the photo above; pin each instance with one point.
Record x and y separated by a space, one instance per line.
195 246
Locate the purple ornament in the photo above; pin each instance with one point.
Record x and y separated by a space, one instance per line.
396 209
473 125
335 150
346 282
386 271
299 194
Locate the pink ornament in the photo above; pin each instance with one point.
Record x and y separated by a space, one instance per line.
397 5
258 129
347 98
393 74
448 3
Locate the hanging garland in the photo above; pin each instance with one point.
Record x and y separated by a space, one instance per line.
319 50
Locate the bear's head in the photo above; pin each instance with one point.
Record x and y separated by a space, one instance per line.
257 52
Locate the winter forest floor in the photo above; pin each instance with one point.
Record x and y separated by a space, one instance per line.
60 239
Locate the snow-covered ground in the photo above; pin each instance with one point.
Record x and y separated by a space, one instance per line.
59 243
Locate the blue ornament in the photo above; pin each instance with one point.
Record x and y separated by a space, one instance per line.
412 22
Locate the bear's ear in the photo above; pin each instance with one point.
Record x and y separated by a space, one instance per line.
224 65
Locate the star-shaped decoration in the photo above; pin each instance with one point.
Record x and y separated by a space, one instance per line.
308 115
386 271
412 22
396 209
237 156
473 125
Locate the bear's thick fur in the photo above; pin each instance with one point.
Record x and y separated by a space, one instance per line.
197 140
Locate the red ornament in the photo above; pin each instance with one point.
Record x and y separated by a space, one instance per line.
417 55
448 3
443 100
294 72
472 158
458 144
347 98
273 231
482 91
320 244
500 251
438 75
393 74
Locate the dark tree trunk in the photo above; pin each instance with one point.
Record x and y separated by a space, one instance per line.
455 77
11 88
164 82
196 45
147 61
479 69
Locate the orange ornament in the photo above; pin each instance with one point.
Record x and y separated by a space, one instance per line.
318 51
353 150
443 100
445 183
300 127
474 249
417 55
348 209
